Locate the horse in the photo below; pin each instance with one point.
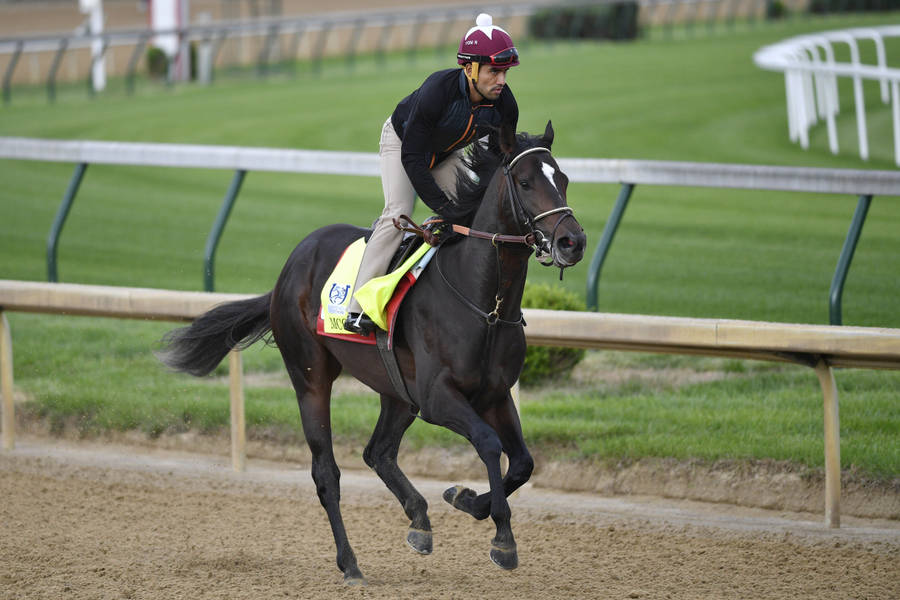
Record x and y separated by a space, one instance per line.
459 339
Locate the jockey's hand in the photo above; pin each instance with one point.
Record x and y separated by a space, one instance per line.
453 212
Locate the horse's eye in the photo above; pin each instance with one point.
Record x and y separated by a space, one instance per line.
523 183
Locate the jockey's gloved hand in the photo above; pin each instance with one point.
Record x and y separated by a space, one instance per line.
453 212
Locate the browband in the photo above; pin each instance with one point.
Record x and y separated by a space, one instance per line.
513 162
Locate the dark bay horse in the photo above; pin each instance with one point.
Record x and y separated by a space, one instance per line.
459 340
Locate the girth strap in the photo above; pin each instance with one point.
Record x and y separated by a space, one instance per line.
383 343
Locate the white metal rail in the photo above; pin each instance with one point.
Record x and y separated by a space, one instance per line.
810 79
585 170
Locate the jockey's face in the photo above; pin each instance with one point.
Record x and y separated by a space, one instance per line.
491 81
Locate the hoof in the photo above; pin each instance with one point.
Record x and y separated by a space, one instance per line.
450 494
505 558
419 540
460 497
353 576
355 580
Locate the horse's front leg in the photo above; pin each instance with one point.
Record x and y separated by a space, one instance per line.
455 413
505 421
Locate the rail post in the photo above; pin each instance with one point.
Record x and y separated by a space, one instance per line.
355 35
238 422
262 66
133 62
10 67
318 53
6 384
832 445
212 241
843 265
416 32
60 220
54 68
93 82
384 40
602 250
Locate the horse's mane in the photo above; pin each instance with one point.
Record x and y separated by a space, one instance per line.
483 161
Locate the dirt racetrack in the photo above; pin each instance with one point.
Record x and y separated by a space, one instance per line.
96 521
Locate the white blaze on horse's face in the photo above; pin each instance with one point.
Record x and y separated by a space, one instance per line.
549 172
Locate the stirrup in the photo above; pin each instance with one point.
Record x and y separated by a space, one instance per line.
359 323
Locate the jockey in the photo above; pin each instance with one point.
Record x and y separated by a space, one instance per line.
422 143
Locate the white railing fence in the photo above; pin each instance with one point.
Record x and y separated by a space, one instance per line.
810 79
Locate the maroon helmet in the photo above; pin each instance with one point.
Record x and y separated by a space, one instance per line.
487 44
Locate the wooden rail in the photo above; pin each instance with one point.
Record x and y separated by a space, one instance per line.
820 347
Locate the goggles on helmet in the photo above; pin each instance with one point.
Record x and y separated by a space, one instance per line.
499 59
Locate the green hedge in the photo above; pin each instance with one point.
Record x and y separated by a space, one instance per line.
850 6
543 363
157 63
614 21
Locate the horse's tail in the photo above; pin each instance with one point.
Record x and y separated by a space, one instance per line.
198 348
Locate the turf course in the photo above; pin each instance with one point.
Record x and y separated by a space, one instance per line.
688 252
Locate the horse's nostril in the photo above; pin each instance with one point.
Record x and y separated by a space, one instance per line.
566 243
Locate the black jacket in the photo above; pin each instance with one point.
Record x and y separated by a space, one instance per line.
438 118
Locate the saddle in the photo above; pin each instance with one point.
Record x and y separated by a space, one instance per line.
380 297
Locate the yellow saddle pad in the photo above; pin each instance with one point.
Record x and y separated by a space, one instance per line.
338 288
373 296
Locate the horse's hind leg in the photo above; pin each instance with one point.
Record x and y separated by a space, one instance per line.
313 387
381 455
505 421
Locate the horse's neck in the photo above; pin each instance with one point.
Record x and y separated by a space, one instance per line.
479 273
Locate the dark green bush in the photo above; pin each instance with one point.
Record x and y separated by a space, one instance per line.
844 6
194 63
544 363
775 9
614 21
157 63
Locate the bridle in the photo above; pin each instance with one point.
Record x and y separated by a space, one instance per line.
534 238
543 246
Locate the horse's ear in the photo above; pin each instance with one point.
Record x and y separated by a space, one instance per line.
507 138
548 135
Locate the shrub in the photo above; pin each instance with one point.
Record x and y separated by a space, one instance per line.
157 63
615 21
775 9
544 363
845 6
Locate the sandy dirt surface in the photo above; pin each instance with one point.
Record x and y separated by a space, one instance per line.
90 520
